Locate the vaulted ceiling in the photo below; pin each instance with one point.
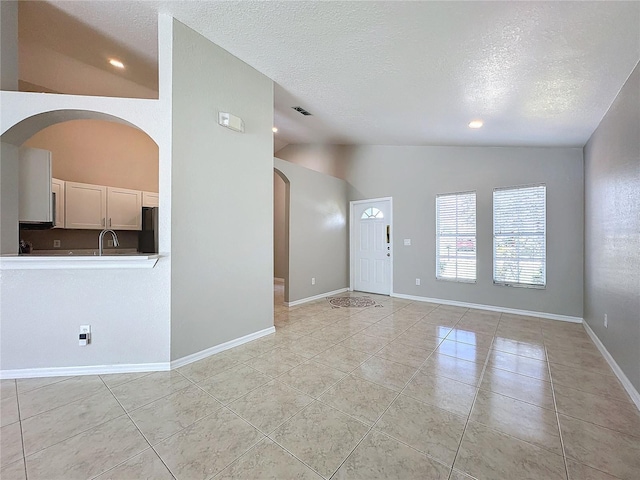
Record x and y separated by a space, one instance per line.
397 73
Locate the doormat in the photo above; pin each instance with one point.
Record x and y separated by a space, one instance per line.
356 302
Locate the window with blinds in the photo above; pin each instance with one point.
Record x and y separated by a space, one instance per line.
519 236
456 237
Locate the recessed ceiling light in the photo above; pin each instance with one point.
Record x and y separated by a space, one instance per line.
475 124
116 63
275 129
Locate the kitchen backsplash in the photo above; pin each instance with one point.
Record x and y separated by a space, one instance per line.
75 239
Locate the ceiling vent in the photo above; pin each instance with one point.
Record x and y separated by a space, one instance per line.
302 111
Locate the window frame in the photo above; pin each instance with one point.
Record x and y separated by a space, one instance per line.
475 237
502 283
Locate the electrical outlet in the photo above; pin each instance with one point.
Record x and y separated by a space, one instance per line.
606 321
109 243
84 338
407 242
313 280
56 244
417 281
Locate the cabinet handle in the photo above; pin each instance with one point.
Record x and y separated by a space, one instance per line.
109 223
103 221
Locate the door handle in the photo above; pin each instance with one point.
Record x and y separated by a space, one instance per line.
388 234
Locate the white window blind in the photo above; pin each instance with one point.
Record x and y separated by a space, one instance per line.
519 236
456 237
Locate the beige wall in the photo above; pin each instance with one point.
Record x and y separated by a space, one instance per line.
612 230
414 175
318 232
9 41
100 153
221 198
321 158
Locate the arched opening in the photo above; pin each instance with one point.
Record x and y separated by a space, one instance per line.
98 161
281 205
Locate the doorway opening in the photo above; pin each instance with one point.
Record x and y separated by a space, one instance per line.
281 202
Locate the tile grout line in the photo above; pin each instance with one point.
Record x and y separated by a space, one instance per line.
75 434
137 428
475 397
24 456
73 401
555 407
251 447
264 435
483 371
385 411
222 406
317 399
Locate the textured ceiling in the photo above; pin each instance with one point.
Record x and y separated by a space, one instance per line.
409 73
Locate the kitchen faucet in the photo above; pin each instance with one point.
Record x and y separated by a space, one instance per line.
101 240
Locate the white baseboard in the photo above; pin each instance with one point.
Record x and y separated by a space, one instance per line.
133 367
84 370
514 311
626 383
315 297
194 357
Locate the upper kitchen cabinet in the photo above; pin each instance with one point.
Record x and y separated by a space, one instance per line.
85 206
94 207
35 200
58 187
124 209
150 199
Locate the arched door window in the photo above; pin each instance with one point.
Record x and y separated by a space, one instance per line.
372 213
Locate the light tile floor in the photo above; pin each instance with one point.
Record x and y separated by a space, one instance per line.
405 390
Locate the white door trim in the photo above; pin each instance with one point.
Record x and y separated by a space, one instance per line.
352 246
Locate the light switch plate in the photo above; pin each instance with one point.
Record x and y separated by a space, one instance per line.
407 242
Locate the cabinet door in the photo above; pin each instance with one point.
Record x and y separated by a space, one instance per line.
57 187
85 206
34 203
124 209
150 199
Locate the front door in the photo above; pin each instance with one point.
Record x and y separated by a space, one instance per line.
371 246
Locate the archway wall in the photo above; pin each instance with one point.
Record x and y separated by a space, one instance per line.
128 310
318 232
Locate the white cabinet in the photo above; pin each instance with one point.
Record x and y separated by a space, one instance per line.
94 207
57 187
34 190
150 199
85 206
124 209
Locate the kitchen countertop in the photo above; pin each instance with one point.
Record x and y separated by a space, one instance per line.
83 251
43 260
